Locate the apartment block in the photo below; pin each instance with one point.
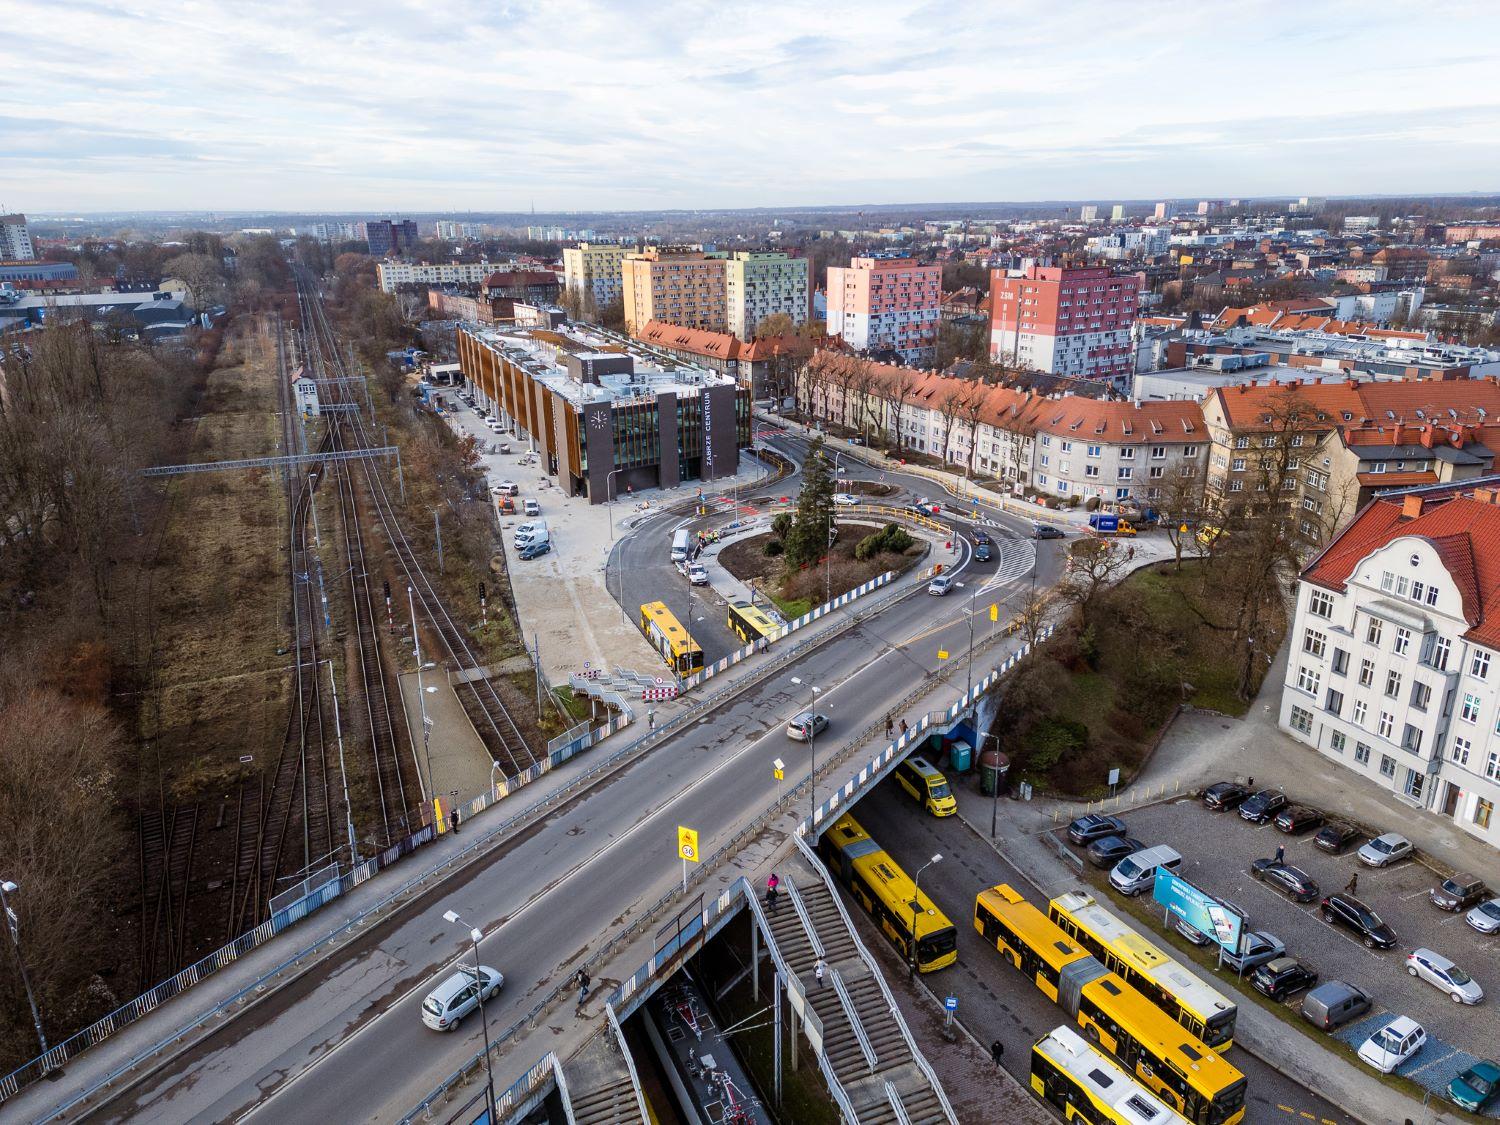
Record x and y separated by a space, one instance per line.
675 286
15 239
386 236
761 283
1394 670
393 274
596 270
886 303
452 231
1065 321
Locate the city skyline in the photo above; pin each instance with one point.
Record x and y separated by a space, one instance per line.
587 107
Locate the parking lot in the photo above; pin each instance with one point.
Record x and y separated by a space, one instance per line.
1217 850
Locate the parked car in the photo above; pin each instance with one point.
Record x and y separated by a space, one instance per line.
460 993
1110 850
1196 936
1476 1087
1297 819
507 488
1136 873
1385 850
1280 978
1347 911
1459 892
1046 531
1256 948
697 574
1485 917
1094 826
1444 975
1261 807
535 550
845 498
1224 795
1333 1004
1395 1041
531 506
940 585
1291 881
803 727
1335 836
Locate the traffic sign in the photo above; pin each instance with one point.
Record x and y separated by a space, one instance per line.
942 654
951 1003
687 843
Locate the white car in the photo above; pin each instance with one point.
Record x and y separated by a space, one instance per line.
1384 850
1442 973
940 585
458 995
697 574
1397 1040
845 498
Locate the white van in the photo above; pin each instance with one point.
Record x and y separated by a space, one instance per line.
532 529
1136 873
680 543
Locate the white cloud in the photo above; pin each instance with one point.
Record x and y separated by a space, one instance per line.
405 104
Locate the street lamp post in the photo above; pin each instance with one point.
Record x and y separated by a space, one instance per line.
474 938
609 500
8 888
812 750
970 615
916 907
995 788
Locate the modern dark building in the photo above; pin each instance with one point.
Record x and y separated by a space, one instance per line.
387 236
608 418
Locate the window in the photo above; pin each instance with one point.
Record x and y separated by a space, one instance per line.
1091 470
1335 702
1314 642
1126 472
1393 684
1361 712
1416 591
1238 464
1340 662
1372 632
1190 451
1411 739
1421 695
1158 452
1366 673
1242 443
1236 486
1308 679
1309 504
1460 751
1067 447
1288 484
1127 453
1093 451
1296 440
1402 642
1337 741
1320 604
1492 765
1301 720
1361 753
1482 812
1387 766
1432 595
1155 472
1469 712
1440 649
1479 666
1386 724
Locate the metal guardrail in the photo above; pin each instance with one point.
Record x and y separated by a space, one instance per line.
806 919
894 1097
866 1048
635 1079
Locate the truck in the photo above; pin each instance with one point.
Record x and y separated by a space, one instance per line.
680 545
1107 523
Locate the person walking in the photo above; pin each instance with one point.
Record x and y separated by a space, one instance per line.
453 821
1353 886
1280 853
903 728
819 969
889 726
997 1052
584 980
772 885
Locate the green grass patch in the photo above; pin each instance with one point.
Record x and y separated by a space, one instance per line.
792 608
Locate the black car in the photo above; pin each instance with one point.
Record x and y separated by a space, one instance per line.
1335 836
1296 819
1280 978
1093 826
1261 807
1046 531
983 553
1109 850
1459 892
1225 795
981 537
1350 912
1291 881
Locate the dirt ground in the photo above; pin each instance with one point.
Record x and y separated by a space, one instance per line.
748 562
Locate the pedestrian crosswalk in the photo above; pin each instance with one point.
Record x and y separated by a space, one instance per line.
1016 558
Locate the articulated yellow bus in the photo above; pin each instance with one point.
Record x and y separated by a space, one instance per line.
668 637
1169 1061
887 894
1167 983
1084 1084
750 624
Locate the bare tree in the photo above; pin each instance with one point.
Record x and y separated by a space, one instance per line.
950 405
1094 565
1182 510
970 410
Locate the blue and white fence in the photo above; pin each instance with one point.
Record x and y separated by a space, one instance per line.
703 926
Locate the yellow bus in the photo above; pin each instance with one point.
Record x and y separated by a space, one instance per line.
1084 1084
668 637
1167 983
1165 1058
750 624
886 892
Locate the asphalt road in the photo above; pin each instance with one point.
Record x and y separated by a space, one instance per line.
994 1001
347 1043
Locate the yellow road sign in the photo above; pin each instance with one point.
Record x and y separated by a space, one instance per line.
942 654
994 611
687 843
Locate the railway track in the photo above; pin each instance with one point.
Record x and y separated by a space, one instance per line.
167 837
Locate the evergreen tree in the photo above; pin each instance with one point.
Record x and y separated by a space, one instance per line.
808 539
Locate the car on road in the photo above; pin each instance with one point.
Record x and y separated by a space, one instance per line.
805 726
1222 795
460 993
1333 1004
535 550
531 506
1335 836
1476 1087
845 498
697 574
1459 892
1297 819
981 537
1384 850
1256 948
1444 975
1395 1041
1280 978
1291 881
1347 911
983 552
1109 850
1094 826
1046 531
941 585
1485 917
1261 807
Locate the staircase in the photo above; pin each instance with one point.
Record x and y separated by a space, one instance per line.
602 1088
865 1040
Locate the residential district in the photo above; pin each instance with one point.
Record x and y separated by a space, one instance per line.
972 663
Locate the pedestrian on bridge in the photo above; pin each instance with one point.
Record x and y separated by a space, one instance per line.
889 725
453 819
997 1051
584 980
772 884
819 969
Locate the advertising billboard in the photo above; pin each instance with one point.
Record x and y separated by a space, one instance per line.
1199 910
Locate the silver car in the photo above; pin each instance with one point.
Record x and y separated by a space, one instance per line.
1257 947
805 726
460 993
1443 974
940 585
1385 850
1485 917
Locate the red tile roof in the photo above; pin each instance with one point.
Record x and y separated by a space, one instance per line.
1367 402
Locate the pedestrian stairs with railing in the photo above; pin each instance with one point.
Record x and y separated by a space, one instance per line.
874 1060
602 1085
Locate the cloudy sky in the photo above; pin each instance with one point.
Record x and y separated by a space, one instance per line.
572 104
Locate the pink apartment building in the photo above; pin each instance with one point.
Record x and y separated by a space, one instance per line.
1065 321
886 303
